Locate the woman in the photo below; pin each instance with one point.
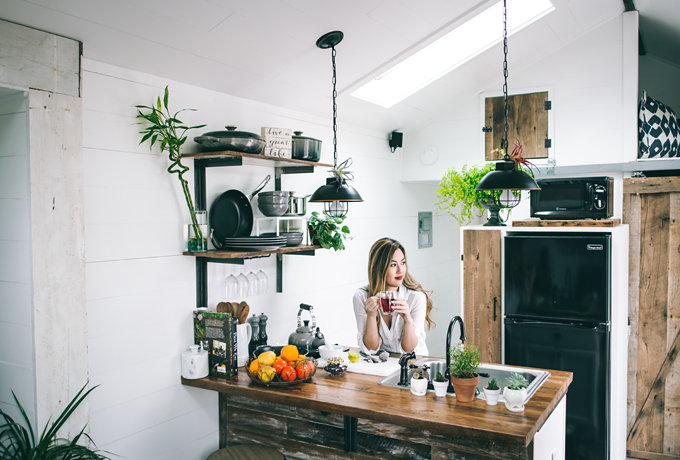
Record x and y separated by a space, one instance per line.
404 331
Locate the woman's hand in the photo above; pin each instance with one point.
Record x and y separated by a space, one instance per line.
400 306
372 304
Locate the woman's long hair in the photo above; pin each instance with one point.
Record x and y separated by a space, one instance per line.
379 259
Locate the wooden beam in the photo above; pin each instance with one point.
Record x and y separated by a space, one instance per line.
651 185
650 455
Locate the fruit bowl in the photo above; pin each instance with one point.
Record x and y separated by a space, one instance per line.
278 381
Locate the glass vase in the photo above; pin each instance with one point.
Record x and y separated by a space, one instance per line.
196 241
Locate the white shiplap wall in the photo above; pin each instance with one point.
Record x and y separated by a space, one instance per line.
140 289
17 361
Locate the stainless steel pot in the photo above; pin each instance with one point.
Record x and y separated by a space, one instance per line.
306 148
230 140
297 206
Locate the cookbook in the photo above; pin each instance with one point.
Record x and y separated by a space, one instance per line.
216 333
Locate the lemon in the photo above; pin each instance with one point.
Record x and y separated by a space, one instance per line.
267 358
353 356
267 373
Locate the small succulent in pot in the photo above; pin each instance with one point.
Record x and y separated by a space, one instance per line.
492 392
516 392
440 377
421 373
516 381
493 385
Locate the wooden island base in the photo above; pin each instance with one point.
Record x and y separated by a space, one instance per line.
352 417
307 434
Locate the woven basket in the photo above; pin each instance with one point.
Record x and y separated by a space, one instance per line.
277 381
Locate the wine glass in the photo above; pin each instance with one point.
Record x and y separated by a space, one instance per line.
253 282
263 282
242 285
232 289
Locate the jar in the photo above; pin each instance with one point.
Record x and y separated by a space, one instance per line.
194 363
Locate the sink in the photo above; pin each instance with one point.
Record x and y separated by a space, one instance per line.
486 371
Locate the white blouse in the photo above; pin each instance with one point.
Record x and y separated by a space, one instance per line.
390 337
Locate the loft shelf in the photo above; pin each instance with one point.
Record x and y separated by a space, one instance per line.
254 159
226 254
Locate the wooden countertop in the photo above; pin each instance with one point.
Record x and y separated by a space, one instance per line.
359 395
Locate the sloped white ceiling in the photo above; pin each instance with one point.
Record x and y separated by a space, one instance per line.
265 49
660 27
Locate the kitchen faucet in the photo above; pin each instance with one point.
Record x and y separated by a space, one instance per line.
456 319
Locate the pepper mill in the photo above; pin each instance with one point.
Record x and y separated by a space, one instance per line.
263 329
254 322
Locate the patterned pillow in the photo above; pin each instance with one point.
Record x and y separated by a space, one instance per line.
657 129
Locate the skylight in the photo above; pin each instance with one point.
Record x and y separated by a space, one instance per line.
452 50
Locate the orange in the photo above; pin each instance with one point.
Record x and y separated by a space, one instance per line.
290 353
254 367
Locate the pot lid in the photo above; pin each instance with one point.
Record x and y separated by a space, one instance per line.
233 134
298 135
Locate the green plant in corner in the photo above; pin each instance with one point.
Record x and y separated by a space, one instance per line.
493 385
516 381
464 361
328 231
170 131
18 442
458 189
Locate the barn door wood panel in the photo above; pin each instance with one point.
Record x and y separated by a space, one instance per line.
652 208
527 123
482 292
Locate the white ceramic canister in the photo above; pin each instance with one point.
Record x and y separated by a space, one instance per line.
194 363
243 334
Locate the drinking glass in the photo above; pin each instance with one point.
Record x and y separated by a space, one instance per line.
242 285
232 289
253 282
387 301
263 282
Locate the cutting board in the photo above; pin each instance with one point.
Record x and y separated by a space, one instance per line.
382 369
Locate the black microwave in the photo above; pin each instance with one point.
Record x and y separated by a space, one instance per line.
573 198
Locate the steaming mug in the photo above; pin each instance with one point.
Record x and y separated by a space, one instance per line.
243 334
194 363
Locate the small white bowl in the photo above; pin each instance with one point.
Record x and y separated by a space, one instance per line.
331 351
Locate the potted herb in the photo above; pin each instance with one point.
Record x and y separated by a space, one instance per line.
169 131
18 442
440 385
419 381
328 231
516 392
492 392
463 370
457 195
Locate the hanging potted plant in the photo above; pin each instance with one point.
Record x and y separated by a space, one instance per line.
457 195
516 392
327 231
463 370
165 128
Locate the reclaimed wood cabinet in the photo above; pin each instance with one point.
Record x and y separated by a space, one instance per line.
482 291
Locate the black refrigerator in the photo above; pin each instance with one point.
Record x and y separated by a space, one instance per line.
557 316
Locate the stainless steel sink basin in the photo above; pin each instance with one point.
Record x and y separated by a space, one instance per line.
486 371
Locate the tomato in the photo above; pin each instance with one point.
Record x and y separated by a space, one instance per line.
278 366
302 369
288 373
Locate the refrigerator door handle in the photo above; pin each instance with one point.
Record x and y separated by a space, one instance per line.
603 327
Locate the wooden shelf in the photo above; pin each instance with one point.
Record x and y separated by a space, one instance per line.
227 254
613 222
255 159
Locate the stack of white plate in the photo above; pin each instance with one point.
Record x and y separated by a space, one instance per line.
255 243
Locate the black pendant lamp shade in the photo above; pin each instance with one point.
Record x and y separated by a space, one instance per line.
336 194
508 179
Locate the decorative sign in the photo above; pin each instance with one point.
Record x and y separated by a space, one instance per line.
278 142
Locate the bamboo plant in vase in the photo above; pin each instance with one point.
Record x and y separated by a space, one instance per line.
170 132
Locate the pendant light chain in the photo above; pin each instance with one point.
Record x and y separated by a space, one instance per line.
504 142
335 113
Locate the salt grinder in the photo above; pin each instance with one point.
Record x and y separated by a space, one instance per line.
254 322
263 329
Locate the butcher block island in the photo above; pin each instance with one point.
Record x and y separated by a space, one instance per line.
352 417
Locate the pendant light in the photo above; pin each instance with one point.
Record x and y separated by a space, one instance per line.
507 180
336 194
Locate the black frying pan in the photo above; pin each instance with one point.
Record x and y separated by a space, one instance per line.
231 215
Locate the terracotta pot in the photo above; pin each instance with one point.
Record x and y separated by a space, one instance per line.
465 388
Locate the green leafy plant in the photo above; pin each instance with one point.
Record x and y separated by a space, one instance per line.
171 132
19 443
516 381
328 231
464 361
458 189
439 377
493 385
